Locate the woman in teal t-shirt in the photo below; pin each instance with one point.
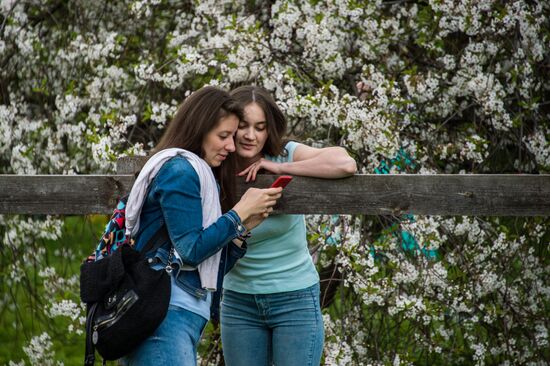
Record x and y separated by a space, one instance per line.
270 312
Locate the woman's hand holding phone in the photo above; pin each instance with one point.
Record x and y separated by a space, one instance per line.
256 204
255 220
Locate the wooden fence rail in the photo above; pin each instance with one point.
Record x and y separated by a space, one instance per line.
469 195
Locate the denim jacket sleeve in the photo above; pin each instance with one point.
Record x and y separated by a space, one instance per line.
234 254
177 189
230 255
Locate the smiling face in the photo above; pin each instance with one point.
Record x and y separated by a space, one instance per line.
218 143
252 133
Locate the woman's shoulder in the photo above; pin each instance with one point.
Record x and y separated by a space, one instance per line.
290 146
176 164
287 154
177 167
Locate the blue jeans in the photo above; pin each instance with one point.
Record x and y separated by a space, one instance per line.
283 329
173 343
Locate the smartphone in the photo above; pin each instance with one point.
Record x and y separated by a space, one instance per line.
281 181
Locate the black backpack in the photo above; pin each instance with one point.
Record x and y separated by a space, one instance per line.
126 299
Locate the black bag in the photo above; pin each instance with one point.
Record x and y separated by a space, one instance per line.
126 300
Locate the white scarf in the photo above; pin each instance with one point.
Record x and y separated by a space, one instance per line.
211 209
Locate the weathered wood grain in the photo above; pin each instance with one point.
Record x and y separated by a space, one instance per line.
470 195
61 194
130 164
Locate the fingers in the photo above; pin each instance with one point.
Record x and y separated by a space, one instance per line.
274 191
267 211
252 171
269 207
254 168
271 193
249 175
266 207
262 200
268 202
244 171
250 168
247 171
259 217
274 198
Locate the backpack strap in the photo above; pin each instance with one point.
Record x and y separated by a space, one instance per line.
89 354
158 238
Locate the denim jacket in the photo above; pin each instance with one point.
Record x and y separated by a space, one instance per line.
173 199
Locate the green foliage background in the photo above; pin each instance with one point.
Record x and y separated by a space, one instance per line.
80 234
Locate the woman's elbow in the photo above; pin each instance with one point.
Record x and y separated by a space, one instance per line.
350 167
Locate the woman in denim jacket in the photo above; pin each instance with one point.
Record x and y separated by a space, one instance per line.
204 125
270 308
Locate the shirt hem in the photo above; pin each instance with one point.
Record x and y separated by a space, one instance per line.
273 290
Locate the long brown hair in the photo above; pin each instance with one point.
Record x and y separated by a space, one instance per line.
276 121
197 115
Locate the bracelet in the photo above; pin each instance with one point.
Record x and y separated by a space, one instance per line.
244 235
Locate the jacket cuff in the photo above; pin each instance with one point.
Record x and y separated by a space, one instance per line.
240 230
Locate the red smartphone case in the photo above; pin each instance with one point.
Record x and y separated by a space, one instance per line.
281 181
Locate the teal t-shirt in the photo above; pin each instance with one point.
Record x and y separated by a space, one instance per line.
277 258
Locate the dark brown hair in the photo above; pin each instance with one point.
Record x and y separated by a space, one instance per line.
197 115
276 121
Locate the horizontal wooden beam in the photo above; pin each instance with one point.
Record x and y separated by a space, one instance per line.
61 194
470 195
